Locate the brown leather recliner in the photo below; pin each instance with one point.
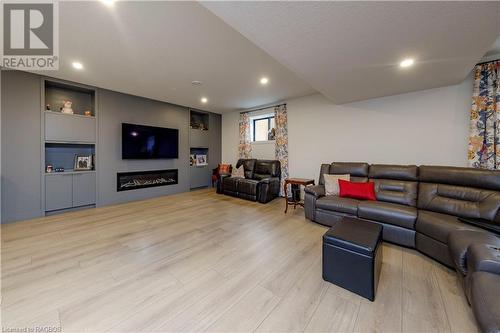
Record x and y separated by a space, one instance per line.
261 182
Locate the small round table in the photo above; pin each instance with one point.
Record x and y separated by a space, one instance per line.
295 183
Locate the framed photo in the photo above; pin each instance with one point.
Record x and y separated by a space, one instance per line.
192 159
201 160
83 162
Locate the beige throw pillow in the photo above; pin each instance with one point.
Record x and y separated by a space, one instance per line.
332 183
239 172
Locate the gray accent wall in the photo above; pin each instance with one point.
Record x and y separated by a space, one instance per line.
115 109
21 190
21 156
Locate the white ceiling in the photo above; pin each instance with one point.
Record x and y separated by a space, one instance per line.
494 52
155 50
350 50
346 50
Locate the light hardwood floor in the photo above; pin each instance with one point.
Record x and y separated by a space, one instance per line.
200 261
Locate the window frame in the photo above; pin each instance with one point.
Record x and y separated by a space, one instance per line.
257 118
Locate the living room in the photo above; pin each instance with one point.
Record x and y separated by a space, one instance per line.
276 166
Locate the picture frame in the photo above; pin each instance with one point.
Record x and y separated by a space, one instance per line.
201 160
192 159
83 162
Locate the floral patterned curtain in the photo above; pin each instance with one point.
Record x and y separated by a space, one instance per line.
245 146
281 142
484 139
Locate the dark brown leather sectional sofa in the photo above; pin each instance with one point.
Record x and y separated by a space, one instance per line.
424 207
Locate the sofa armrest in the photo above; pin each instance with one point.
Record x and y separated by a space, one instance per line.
269 188
220 183
483 258
316 190
312 193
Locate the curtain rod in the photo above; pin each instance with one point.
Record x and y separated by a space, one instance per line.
485 62
267 107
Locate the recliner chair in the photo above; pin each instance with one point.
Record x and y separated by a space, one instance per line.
261 182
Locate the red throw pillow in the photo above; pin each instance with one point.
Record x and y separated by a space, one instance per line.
364 191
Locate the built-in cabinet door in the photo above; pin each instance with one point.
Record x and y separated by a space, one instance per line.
84 189
199 138
69 128
58 191
200 176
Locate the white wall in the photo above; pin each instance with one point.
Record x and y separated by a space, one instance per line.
425 127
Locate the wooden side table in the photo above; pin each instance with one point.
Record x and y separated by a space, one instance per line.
296 183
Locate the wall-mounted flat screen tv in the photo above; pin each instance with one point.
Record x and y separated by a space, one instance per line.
149 142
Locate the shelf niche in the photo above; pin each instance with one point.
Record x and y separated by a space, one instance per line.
63 155
199 120
56 93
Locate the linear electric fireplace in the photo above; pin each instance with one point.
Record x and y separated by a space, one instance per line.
141 179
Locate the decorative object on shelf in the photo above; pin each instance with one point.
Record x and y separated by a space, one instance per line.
199 126
49 168
88 113
66 108
201 160
59 169
192 159
47 107
93 161
83 162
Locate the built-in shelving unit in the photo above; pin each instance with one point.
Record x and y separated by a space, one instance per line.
65 136
199 142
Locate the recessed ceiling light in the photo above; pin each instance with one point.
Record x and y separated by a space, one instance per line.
407 63
264 80
204 100
108 3
196 83
77 65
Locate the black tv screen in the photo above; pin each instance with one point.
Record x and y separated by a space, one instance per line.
148 142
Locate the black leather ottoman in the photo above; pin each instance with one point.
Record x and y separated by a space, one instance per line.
352 256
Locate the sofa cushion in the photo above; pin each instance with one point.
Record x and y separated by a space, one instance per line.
396 191
358 171
248 186
248 165
400 215
460 240
459 201
230 184
338 204
469 177
396 172
439 226
485 302
267 169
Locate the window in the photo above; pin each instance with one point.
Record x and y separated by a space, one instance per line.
263 128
